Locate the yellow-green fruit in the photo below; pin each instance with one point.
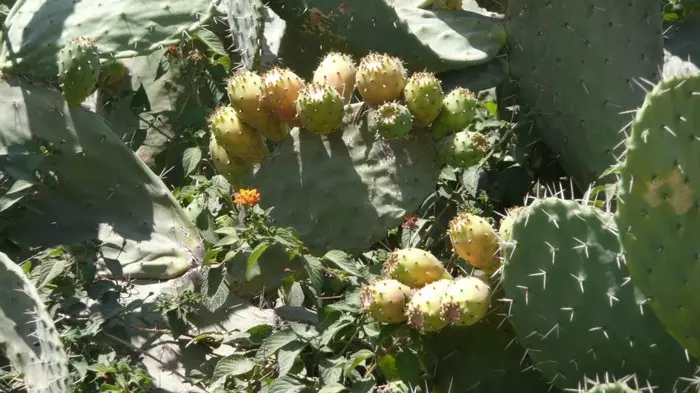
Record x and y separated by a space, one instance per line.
234 170
506 229
385 300
474 240
466 301
424 95
237 138
380 78
414 267
457 112
320 108
281 87
245 93
78 69
448 4
424 308
337 70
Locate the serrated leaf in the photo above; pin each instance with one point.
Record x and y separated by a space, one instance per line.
333 388
215 289
190 159
363 387
287 355
287 384
273 343
342 261
232 365
356 358
252 265
211 41
50 270
330 370
314 268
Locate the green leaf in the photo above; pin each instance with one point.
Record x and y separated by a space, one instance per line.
330 370
314 268
295 298
287 355
342 261
232 365
190 159
357 358
363 387
214 289
252 265
287 384
211 41
273 343
408 366
50 270
333 388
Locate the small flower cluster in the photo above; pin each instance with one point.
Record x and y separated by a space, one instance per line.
249 197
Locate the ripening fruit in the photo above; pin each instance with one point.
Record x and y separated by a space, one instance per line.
391 120
234 170
320 108
281 87
457 112
424 308
386 300
245 93
338 70
474 240
78 69
463 149
505 231
414 267
237 138
424 96
380 78
466 301
448 4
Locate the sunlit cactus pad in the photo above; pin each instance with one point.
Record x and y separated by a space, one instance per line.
344 191
660 197
573 305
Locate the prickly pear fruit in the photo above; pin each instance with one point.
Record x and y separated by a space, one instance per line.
466 301
424 96
112 74
245 92
237 138
233 169
448 4
391 120
414 267
423 309
320 108
78 69
386 300
338 70
463 149
456 113
474 240
281 87
612 387
506 228
380 78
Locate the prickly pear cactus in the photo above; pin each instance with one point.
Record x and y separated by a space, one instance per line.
463 149
78 69
246 23
572 304
658 207
91 187
324 187
391 120
414 267
28 336
576 65
386 300
320 108
681 50
120 29
424 308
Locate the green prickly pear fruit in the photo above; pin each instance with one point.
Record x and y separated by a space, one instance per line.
337 70
320 108
281 88
414 267
506 229
245 92
612 387
466 301
424 96
380 78
474 240
112 74
386 300
463 149
448 4
391 120
78 69
424 308
237 138
458 110
233 169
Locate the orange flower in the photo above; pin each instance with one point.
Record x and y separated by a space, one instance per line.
249 197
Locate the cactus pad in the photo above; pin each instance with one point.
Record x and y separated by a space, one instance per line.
573 306
659 192
324 186
576 63
28 335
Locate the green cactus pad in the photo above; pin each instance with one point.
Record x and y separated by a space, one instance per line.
92 188
576 64
246 24
28 336
344 191
35 30
572 304
659 202
681 49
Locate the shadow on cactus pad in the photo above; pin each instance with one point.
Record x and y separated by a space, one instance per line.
87 185
345 191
